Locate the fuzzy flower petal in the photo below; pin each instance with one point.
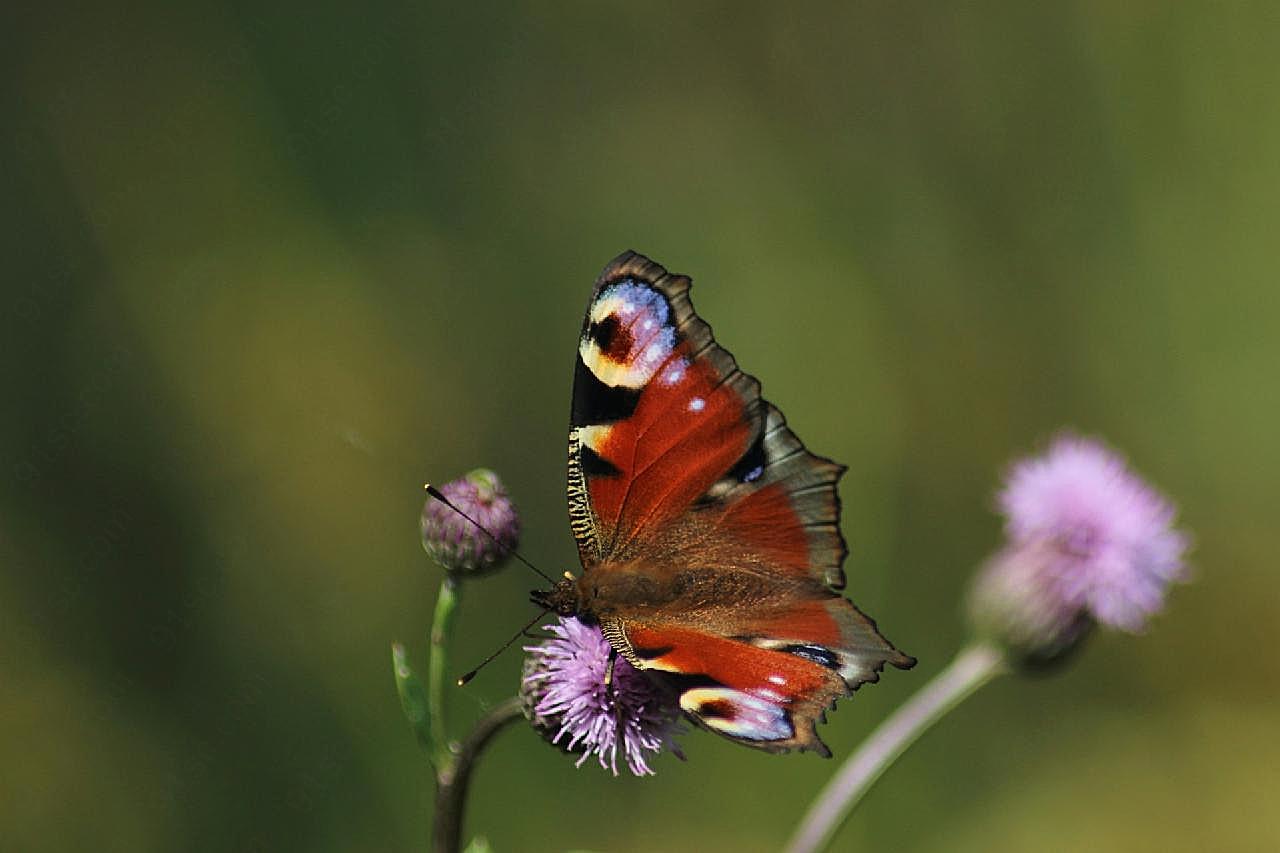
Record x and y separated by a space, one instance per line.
457 544
568 702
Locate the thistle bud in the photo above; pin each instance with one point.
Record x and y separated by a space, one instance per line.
455 542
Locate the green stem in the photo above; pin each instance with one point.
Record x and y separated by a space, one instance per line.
973 667
451 784
442 752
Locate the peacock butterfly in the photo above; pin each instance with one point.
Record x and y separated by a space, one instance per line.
709 536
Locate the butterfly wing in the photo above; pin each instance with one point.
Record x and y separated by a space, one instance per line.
765 674
709 534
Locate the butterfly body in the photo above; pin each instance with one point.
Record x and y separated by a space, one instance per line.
709 536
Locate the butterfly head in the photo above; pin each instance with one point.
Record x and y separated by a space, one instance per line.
563 598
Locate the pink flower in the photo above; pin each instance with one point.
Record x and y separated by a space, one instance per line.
569 703
1088 541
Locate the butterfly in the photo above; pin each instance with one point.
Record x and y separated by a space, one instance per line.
709 536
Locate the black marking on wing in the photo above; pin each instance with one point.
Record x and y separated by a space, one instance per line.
595 465
611 337
646 653
717 709
597 403
683 681
820 655
751 466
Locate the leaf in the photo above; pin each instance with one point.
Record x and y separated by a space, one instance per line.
413 697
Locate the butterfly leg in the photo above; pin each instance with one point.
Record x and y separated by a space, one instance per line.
608 671
611 690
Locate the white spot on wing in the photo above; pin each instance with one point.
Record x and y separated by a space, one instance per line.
697 404
674 372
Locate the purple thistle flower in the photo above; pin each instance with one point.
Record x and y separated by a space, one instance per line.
570 705
1087 542
457 544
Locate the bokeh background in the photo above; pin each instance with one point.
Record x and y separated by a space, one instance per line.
266 270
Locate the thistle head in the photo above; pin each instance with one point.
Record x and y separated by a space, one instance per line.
1088 542
582 697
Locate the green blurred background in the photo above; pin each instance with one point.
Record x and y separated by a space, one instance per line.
268 270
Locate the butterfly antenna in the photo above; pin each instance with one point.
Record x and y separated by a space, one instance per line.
472 674
435 493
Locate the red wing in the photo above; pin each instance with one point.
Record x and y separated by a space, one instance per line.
768 681
665 427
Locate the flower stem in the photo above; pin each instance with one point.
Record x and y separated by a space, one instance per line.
451 783
442 754
973 667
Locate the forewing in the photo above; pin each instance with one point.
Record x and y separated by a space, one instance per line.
665 427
